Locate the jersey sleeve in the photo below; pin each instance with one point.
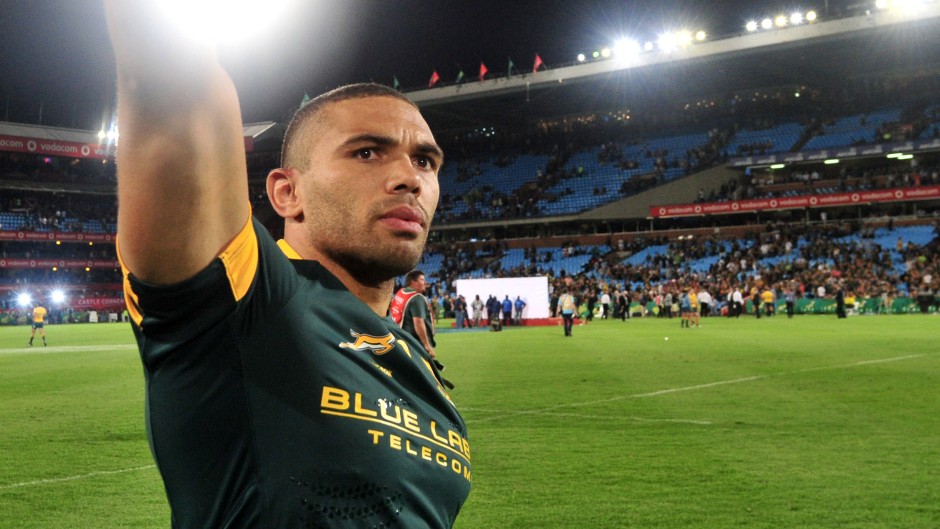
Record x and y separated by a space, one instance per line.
210 302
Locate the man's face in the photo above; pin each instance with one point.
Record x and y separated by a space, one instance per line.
420 284
372 189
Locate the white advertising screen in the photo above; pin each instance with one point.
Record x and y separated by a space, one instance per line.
532 290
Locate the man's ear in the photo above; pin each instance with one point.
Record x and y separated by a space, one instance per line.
282 186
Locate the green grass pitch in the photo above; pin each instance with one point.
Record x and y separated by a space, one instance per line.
812 422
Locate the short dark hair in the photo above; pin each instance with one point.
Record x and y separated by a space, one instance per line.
292 153
413 276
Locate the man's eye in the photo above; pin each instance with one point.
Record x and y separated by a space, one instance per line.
424 162
365 154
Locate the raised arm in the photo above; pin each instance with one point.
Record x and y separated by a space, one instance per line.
182 178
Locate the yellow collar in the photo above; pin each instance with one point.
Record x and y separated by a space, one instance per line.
288 251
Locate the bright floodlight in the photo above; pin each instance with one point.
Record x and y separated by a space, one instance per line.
751 26
881 4
811 16
767 23
24 299
626 48
223 20
684 37
581 57
780 21
605 53
796 18
58 297
667 42
648 46
701 35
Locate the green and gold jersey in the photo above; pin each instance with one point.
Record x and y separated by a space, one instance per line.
277 399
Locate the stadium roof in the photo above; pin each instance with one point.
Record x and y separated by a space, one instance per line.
823 55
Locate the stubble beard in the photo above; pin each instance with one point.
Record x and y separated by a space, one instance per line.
370 258
374 265
369 254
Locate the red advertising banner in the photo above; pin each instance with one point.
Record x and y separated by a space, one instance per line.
801 201
56 236
116 304
68 149
60 263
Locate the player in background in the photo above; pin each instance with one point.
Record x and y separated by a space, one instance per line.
38 318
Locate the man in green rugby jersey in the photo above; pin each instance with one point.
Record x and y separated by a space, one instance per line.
279 394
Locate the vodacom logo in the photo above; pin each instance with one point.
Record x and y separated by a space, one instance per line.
86 150
31 145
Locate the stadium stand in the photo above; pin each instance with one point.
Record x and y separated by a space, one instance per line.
566 189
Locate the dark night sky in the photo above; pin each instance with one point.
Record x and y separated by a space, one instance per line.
55 54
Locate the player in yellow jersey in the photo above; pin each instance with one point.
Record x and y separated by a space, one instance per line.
39 321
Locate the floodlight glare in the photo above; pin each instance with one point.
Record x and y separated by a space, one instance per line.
684 37
796 18
906 157
57 296
101 134
667 42
23 299
596 54
605 53
215 21
895 155
881 4
751 26
648 46
780 21
625 48
831 161
701 35
581 57
767 23
811 16
777 166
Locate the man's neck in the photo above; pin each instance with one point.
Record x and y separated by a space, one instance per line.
377 296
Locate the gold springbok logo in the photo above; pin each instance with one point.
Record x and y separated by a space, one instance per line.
366 342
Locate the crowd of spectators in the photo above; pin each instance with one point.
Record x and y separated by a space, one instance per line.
52 169
811 261
56 211
776 184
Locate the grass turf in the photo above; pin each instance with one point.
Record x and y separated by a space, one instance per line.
812 422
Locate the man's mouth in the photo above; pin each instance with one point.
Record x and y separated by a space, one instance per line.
404 218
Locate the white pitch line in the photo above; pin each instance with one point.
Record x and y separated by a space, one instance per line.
630 419
74 478
696 387
39 349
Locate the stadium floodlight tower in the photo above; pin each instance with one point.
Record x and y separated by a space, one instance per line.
223 21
